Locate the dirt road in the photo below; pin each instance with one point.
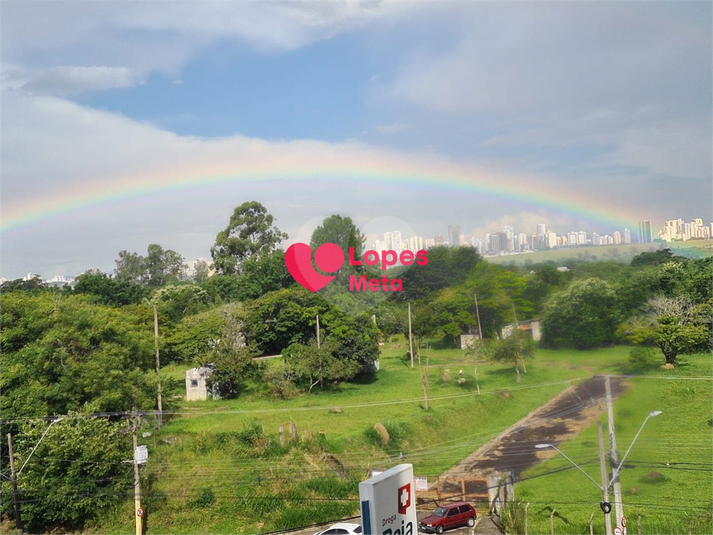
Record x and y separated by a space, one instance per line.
514 450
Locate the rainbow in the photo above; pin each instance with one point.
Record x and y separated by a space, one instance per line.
368 168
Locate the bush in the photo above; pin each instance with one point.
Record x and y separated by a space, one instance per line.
204 498
641 356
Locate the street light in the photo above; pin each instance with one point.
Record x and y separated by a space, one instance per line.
621 463
38 443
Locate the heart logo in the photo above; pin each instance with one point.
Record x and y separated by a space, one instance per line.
328 257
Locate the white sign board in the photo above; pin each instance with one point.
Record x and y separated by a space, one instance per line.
388 503
141 454
421 483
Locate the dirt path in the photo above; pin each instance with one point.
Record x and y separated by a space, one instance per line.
514 450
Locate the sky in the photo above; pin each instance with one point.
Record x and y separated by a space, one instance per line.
130 123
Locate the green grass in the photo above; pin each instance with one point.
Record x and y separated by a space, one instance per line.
669 499
618 253
218 466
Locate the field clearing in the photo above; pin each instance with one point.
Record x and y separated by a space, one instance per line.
202 479
617 253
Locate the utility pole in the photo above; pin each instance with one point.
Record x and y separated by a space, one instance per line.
13 478
477 315
318 342
410 341
138 512
605 482
613 455
158 366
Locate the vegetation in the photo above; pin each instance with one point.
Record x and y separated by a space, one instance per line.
88 354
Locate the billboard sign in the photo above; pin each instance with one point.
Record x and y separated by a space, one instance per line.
388 503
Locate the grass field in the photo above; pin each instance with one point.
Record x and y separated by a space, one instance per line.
617 253
218 466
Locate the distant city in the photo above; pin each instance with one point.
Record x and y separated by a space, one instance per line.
509 241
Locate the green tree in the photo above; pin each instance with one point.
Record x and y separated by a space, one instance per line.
232 359
317 365
109 291
201 271
250 231
74 476
176 301
192 338
341 231
446 267
163 267
512 349
129 267
264 273
681 325
584 316
284 317
59 353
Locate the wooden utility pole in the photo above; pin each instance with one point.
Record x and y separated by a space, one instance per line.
613 454
410 340
13 478
477 315
138 512
605 481
158 366
318 342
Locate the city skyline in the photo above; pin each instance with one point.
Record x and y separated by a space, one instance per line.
130 123
508 241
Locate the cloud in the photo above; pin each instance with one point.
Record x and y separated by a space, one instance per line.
629 83
393 128
65 80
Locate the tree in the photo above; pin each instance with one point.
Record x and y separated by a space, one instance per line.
249 232
584 316
59 353
109 291
74 476
681 326
317 365
192 338
159 267
513 349
284 317
341 231
129 267
264 273
446 267
201 271
232 359
34 283
176 301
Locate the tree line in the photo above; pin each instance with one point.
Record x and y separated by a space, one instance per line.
90 349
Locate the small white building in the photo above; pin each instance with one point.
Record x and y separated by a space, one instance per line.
196 384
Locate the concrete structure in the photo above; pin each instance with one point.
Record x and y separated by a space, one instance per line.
533 326
467 340
196 385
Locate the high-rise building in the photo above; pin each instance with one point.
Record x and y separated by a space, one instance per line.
550 240
627 236
454 235
438 240
494 245
617 237
645 235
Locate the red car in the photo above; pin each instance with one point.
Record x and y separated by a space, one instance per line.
452 515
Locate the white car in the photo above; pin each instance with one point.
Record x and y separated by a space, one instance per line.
342 528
